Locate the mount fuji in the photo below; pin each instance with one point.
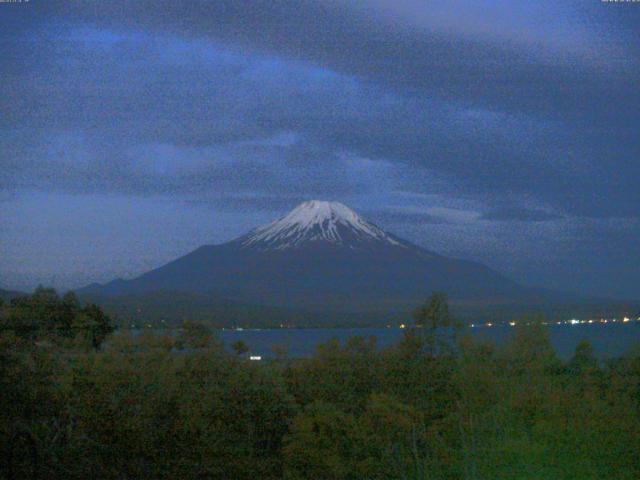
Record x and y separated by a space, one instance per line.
317 221
322 257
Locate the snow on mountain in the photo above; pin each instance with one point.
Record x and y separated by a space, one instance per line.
321 257
317 221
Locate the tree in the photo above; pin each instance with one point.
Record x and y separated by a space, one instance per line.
342 375
70 300
94 325
69 308
477 384
45 294
530 350
240 347
390 440
434 318
320 444
583 359
194 335
45 314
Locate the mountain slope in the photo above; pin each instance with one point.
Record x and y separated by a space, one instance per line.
321 255
324 257
316 221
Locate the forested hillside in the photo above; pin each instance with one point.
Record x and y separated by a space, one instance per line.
181 407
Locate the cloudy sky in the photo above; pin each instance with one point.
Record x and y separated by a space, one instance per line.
506 132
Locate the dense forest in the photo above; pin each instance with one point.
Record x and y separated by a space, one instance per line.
78 401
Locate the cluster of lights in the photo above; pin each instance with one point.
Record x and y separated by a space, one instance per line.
573 321
602 320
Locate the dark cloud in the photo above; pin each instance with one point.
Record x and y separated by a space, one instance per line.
534 116
255 106
273 204
417 47
519 214
390 218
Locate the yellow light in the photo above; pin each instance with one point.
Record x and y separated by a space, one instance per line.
625 319
513 324
402 325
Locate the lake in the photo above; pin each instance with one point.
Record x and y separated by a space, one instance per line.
608 340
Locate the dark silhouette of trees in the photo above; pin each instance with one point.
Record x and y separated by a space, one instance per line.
195 335
438 325
583 359
45 315
240 347
146 405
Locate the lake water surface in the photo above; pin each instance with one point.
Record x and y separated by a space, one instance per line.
608 340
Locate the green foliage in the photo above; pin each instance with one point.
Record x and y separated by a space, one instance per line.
344 376
45 315
530 350
195 335
437 324
390 440
240 347
153 406
583 360
319 445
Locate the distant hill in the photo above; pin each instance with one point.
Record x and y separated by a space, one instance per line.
325 260
171 308
9 294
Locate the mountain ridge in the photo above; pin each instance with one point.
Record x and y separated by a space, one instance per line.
324 257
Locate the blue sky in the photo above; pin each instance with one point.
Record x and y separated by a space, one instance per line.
505 132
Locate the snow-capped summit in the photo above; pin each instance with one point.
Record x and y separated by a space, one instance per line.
317 221
321 257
